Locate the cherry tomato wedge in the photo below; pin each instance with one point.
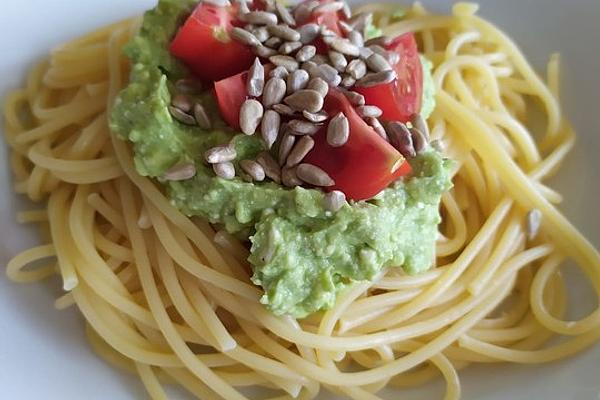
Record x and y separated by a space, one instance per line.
231 93
366 164
400 98
203 43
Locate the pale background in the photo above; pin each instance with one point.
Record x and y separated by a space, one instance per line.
43 353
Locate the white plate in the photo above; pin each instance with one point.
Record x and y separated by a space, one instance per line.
43 353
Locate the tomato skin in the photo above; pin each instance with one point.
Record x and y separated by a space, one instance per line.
402 97
363 166
231 94
204 45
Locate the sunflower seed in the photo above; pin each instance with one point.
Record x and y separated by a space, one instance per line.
369 111
306 53
311 67
256 79
301 12
308 32
278 72
346 11
376 125
304 9
338 60
274 92
344 46
334 200
321 116
356 39
378 63
419 140
188 86
300 150
356 99
180 172
254 169
533 223
273 42
289 47
182 116
224 170
269 5
364 53
285 146
387 55
183 102
313 175
305 99
269 127
325 31
284 13
264 51
320 59
270 166
243 8
201 116
287 62
319 85
328 39
297 80
302 127
289 178
328 7
347 81
356 68
283 109
401 138
382 41
245 37
417 121
260 18
218 3
251 113
284 32
376 78
261 33
329 75
338 130
361 20
345 27
220 154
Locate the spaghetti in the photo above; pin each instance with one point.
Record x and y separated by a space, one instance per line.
170 299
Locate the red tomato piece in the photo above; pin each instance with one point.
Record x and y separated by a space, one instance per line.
366 164
400 98
231 93
203 43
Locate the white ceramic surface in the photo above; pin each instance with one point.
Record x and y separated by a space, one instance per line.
43 353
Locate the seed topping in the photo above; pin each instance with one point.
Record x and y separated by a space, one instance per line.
338 130
314 175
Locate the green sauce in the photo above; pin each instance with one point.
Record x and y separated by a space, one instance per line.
314 253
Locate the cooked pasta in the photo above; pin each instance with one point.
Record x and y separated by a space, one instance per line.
168 298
